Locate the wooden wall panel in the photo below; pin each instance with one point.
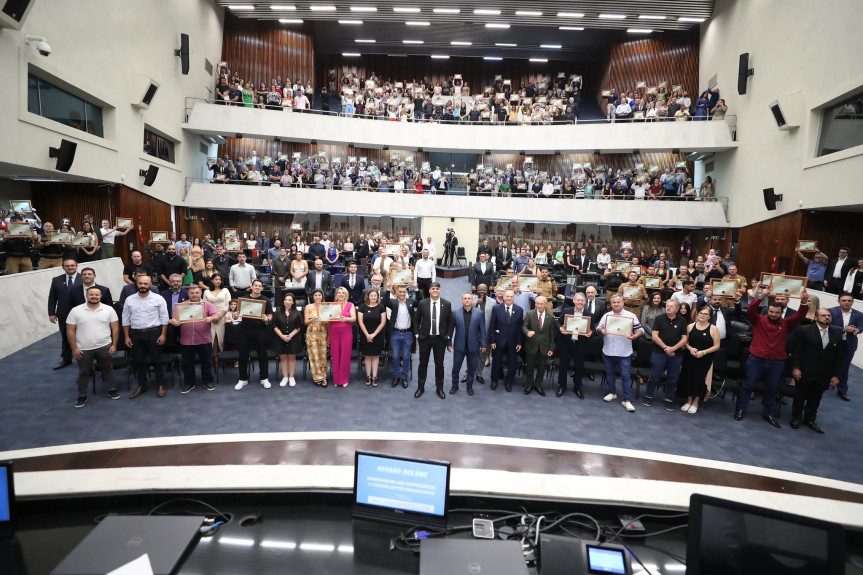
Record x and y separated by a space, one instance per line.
832 230
670 56
260 50
761 242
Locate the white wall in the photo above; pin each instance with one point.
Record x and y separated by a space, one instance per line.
108 50
794 45
466 232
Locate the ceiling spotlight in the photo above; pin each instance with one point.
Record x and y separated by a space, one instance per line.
578 28
597 152
639 30
690 19
277 139
385 147
494 25
521 152
675 150
458 43
350 21
488 152
420 150
557 152
290 21
636 151
351 145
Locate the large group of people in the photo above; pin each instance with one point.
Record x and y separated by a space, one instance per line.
661 104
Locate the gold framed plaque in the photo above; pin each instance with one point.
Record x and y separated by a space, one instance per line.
251 308
505 282
652 282
296 227
233 245
393 249
765 279
406 239
60 237
791 286
622 266
377 235
230 233
159 237
84 241
20 205
189 312
576 324
123 223
528 283
19 230
630 292
807 245
329 311
401 276
725 288
618 325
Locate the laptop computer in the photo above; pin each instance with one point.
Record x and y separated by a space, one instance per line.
119 539
471 556
11 556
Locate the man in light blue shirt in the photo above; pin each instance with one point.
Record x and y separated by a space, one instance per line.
145 325
521 261
619 328
816 267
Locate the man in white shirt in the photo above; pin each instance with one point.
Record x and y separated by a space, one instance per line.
617 349
429 245
242 275
687 295
603 259
109 234
325 241
398 186
94 333
424 274
145 326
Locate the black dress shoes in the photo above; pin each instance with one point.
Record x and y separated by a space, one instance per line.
463 379
479 379
396 382
738 415
842 395
404 383
453 389
419 392
470 390
64 362
590 376
560 391
540 390
440 393
493 385
814 427
772 421
527 390
795 424
579 394
508 387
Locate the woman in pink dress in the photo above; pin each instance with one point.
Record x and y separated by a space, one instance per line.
342 339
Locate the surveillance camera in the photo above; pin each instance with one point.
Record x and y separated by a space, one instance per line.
44 48
122 178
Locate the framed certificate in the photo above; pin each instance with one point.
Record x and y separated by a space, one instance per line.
505 282
82 241
807 245
528 283
606 93
393 249
189 312
124 223
377 235
678 285
630 292
329 311
636 269
19 230
61 237
251 308
401 276
622 266
641 84
20 205
406 239
158 237
296 227
230 233
618 325
725 288
652 283
791 286
765 279
576 324
676 88
663 84
220 178
426 182
651 90
627 245
233 245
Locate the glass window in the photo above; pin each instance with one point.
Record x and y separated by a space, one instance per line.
841 126
157 146
33 104
55 103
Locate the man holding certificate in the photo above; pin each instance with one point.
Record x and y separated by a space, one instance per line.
619 329
539 335
257 313
572 344
193 317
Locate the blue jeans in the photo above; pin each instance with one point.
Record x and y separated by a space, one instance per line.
770 370
660 362
401 343
611 363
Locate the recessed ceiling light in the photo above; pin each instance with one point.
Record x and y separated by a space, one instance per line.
282 7
613 16
651 17
417 23
493 25
409 9
690 19
350 21
446 11
322 8
412 41
570 14
350 54
571 28
550 46
290 21
440 56
460 43
528 13
505 44
639 30
486 12
539 59
492 58
241 7
364 41
363 9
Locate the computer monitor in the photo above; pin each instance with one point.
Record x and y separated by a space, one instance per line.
729 537
401 490
7 500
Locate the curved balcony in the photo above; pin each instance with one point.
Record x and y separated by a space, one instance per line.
623 137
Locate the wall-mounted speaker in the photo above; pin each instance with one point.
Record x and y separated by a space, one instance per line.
743 73
770 198
13 13
65 154
149 175
148 88
183 53
788 111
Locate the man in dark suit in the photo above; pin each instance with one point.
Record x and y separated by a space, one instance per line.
59 305
88 279
175 294
483 272
503 258
850 321
505 337
433 327
319 278
722 315
816 362
571 348
485 249
837 270
354 283
582 261
539 334
594 305
263 244
401 334
468 340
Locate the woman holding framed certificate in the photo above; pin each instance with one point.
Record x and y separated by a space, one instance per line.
342 337
702 344
86 249
317 336
288 325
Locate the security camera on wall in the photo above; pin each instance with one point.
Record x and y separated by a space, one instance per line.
42 45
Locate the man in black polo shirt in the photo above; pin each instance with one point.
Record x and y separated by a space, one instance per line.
171 264
223 261
669 338
255 336
135 265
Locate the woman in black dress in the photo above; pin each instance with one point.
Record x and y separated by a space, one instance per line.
288 326
854 281
702 344
372 319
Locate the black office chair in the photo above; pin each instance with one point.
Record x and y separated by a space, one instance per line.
460 255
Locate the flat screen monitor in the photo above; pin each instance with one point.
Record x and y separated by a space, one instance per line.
401 490
729 537
7 500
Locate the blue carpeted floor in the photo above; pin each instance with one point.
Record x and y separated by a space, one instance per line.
37 411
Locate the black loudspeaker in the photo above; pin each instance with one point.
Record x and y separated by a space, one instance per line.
15 9
743 72
770 198
149 175
778 116
65 154
183 53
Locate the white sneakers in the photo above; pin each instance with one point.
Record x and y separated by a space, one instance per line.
610 397
266 383
627 406
292 382
284 382
241 384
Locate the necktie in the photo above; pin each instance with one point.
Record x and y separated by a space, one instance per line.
434 318
69 282
825 339
352 281
591 307
540 321
508 311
